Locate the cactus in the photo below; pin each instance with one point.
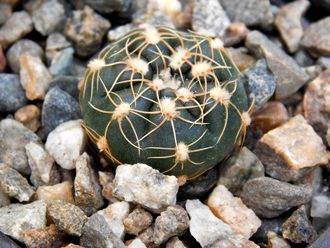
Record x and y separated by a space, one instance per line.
166 98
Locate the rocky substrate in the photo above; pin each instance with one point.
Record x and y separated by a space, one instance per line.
273 192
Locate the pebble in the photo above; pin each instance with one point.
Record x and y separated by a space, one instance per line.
240 57
320 206
303 58
324 62
3 60
43 237
41 164
147 237
17 26
297 228
289 76
238 169
69 84
35 77
146 186
234 34
233 212
269 225
209 18
316 103
172 222
106 181
45 21
4 198
276 241
175 242
97 233
136 243
13 138
6 242
23 46
17 218
210 231
288 23
87 190
62 62
137 221
317 38
199 187
61 191
67 217
250 12
14 184
117 32
269 198
66 143
29 116
5 12
86 30
286 153
260 83
272 115
55 42
12 94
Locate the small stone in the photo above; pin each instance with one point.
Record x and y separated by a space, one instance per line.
98 233
210 231
14 184
171 222
5 12
13 138
3 60
175 242
275 241
62 62
43 237
6 242
209 18
66 143
35 77
303 58
17 218
320 206
238 169
199 187
87 190
118 32
260 83
59 107
324 62
250 12
269 198
55 43
86 30
241 59
287 151
23 46
147 237
60 191
313 71
316 103
235 33
288 23
297 228
67 217
4 199
46 21
136 243
289 76
269 225
41 164
144 185
17 26
272 115
12 94
137 221
233 212
29 116
69 84
317 38
106 181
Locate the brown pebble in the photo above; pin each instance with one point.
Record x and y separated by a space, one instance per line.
235 33
61 191
29 116
242 60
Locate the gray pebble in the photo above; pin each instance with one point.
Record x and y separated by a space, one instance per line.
5 12
69 84
61 63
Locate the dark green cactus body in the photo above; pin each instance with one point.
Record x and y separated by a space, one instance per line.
166 98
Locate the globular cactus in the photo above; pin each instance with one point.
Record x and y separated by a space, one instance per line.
166 98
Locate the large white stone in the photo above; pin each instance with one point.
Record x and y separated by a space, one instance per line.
144 185
66 142
232 211
210 231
